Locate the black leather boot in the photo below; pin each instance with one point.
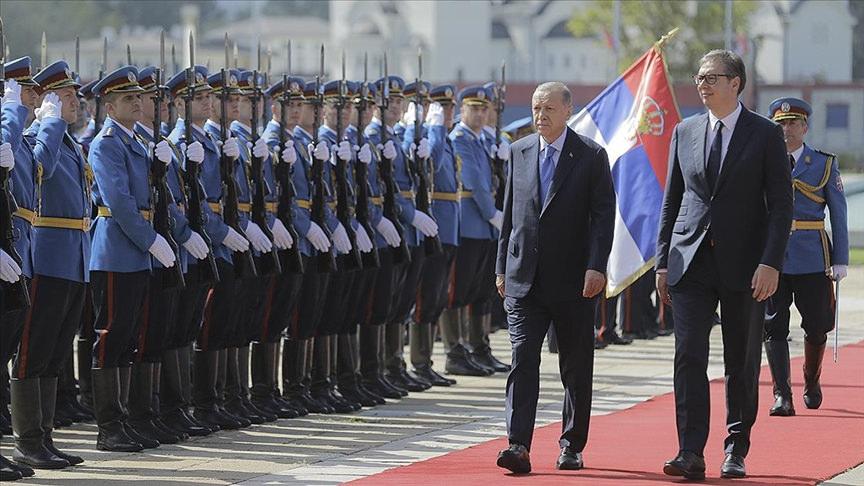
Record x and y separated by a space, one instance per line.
27 422
813 354
48 392
234 390
125 388
347 372
156 406
778 362
85 386
320 386
334 354
460 363
205 393
141 412
109 413
283 407
172 395
7 472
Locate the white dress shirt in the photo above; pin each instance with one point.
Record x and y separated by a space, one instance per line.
729 123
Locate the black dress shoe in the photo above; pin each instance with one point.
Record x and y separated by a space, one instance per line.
687 464
113 438
515 458
25 471
432 377
665 332
782 407
599 343
569 460
614 338
733 467
402 380
485 358
366 392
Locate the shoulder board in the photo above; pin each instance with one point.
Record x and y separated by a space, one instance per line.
372 131
827 154
109 132
458 133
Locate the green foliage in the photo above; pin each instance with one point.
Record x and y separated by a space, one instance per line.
643 22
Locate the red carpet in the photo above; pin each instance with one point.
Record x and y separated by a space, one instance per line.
630 446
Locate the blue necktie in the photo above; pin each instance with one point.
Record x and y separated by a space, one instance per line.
547 170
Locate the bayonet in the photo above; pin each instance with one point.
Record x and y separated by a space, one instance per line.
236 55
43 52
128 55
77 56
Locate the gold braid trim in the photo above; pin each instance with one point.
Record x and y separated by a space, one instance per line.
809 191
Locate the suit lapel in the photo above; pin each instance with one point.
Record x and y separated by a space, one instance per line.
698 136
531 164
566 162
740 137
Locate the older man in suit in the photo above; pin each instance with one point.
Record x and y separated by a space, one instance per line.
559 213
725 220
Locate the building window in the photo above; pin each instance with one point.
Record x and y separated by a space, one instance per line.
837 115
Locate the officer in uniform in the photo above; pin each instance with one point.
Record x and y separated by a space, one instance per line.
479 226
89 132
437 270
812 263
60 245
159 322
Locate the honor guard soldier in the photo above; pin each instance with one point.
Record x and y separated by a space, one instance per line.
282 301
18 156
89 132
60 248
433 290
812 263
478 231
157 337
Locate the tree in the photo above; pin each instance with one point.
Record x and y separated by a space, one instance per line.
643 22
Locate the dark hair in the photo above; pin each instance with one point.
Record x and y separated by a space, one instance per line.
732 63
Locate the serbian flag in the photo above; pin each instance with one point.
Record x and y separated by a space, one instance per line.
633 119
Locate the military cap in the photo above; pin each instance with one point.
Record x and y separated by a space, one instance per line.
310 91
20 70
395 86
122 80
517 124
177 83
55 76
474 95
215 81
370 92
86 91
147 79
491 90
245 81
446 93
295 88
789 108
410 89
330 89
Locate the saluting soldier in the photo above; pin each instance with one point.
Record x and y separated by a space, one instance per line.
812 263
432 294
60 245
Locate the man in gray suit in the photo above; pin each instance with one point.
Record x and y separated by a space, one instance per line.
725 220
559 214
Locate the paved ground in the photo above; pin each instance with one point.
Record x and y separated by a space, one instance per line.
322 449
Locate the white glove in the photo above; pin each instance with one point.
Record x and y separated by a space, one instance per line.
281 236
195 152
289 154
410 115
317 237
435 117
51 107
424 150
838 272
502 152
230 148
257 238
320 152
388 231
340 240
163 151
9 270
161 250
234 241
365 154
345 150
425 224
261 150
196 246
364 244
497 220
7 158
13 92
388 150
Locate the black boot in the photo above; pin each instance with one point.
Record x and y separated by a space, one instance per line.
347 372
227 385
320 386
109 412
185 355
262 385
156 406
234 392
285 408
27 422
21 469
484 357
48 392
205 392
813 354
368 345
67 394
293 366
172 394
7 471
251 408
335 351
778 362
125 387
141 413
460 363
85 384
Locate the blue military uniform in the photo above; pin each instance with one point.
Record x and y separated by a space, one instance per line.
807 266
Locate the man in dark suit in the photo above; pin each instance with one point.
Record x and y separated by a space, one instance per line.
559 214
725 220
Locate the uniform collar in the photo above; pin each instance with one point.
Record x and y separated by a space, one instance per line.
468 129
120 126
303 131
246 129
147 130
796 154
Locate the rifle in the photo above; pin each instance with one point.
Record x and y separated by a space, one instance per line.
160 194
361 178
291 258
353 260
172 109
497 164
97 116
423 197
244 263
326 261
78 58
43 52
391 209
269 263
15 295
209 273
128 54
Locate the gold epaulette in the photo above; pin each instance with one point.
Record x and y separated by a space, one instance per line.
808 190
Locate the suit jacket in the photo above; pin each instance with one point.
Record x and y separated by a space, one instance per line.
551 245
749 213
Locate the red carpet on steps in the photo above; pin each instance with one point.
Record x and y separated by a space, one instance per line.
630 446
